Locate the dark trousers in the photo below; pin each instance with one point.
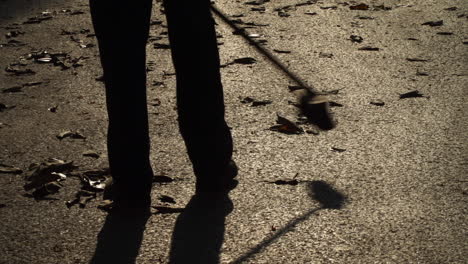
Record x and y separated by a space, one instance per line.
122 29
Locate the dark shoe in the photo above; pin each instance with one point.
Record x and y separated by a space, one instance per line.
221 182
127 199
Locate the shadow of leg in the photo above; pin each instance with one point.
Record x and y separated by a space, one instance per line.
120 239
199 230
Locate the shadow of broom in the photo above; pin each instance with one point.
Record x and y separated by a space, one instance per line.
319 191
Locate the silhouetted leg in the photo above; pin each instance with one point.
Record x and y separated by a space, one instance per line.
122 29
199 90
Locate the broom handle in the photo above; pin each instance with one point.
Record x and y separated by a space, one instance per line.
263 51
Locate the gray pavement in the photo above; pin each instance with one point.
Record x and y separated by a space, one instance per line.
401 167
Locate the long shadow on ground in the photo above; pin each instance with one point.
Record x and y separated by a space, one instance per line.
120 239
319 191
199 230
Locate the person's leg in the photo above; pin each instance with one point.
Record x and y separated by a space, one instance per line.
199 90
122 29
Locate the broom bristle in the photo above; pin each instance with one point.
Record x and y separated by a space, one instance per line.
315 108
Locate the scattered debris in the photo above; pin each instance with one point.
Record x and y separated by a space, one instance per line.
4 107
365 17
411 94
53 109
335 104
356 24
329 7
359 7
155 102
42 174
418 73
155 22
281 51
100 78
325 55
76 12
92 181
255 102
34 83
282 13
162 179
46 189
105 205
381 8
70 134
377 102
82 197
293 88
257 2
60 59
17 71
337 149
292 181
453 8
416 60
286 182
14 34
251 24
95 184
258 9
444 33
286 126
13 43
38 19
336 91
285 8
167 199
308 2
91 153
312 131
433 23
10 169
14 89
369 48
244 60
356 38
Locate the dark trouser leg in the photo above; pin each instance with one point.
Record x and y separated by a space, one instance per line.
122 29
199 90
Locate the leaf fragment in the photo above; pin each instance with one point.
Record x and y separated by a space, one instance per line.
359 7
369 48
14 89
356 38
10 169
412 94
91 154
286 126
437 23
377 102
70 134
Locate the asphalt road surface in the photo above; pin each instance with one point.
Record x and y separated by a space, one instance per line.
396 72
